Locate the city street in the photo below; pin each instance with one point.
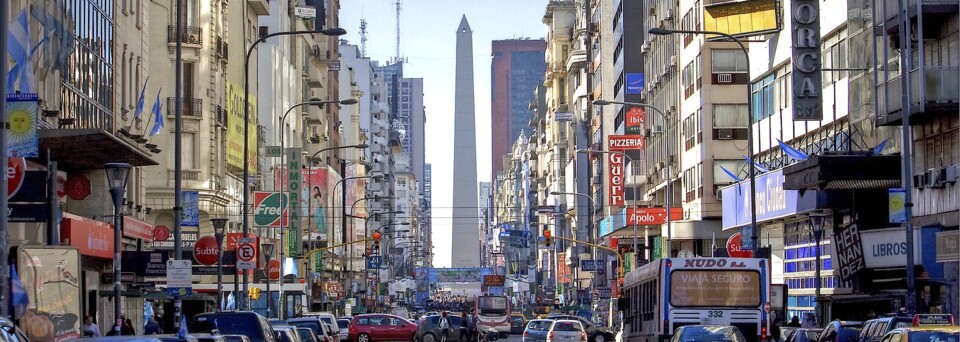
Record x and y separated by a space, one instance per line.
512 338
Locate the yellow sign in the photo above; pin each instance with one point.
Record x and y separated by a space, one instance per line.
235 128
742 18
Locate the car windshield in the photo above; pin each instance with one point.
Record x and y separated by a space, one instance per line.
312 325
225 325
285 336
566 326
711 334
305 335
934 336
539 325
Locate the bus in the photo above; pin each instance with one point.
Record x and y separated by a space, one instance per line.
493 312
665 294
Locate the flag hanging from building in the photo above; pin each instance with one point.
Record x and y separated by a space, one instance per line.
757 165
18 46
792 152
136 114
19 295
58 25
158 118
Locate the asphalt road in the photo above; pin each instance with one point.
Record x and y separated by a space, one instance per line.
511 338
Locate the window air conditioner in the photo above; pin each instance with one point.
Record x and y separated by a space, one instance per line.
724 134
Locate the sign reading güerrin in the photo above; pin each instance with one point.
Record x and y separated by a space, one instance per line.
807 80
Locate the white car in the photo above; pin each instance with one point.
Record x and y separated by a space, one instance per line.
565 330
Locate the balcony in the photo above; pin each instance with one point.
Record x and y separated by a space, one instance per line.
221 48
191 107
219 114
260 7
939 94
189 35
889 11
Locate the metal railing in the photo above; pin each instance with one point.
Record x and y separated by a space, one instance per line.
191 106
188 35
941 85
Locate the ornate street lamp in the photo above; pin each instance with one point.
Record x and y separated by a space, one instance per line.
268 248
219 224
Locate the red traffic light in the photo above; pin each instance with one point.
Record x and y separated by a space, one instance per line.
376 236
546 233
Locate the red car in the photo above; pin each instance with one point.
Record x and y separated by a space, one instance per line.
380 327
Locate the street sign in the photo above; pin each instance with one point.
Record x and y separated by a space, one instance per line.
274 151
179 277
373 262
591 265
246 254
603 292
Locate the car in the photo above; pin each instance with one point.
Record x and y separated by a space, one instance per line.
841 331
11 333
286 333
343 322
174 338
566 330
712 333
536 330
517 323
802 335
380 327
307 335
944 333
328 318
147 338
236 338
209 337
319 326
428 330
874 329
595 332
246 323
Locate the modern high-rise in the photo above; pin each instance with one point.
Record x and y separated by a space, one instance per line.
411 118
463 222
516 70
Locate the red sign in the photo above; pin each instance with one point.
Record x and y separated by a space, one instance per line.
78 187
231 240
206 251
161 233
635 118
93 238
615 172
16 174
734 249
624 142
652 216
134 228
274 269
61 187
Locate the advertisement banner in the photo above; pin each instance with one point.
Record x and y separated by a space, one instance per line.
93 238
848 251
616 181
294 187
136 229
634 83
624 142
635 119
563 272
267 208
896 198
318 201
807 76
742 18
236 128
724 288
188 237
652 216
191 209
773 201
145 264
458 275
50 276
22 118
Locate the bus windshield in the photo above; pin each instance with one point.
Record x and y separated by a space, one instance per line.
715 288
495 305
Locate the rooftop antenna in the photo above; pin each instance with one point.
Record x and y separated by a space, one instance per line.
363 37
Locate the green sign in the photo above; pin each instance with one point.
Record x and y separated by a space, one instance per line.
267 208
294 184
657 248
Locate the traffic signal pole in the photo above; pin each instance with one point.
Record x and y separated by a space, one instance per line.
611 250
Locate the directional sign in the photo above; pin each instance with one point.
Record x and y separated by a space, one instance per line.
246 254
274 151
591 265
373 262
179 277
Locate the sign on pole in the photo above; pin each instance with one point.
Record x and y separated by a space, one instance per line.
294 182
246 254
179 277
273 151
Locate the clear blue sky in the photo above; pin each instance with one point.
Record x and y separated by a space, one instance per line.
427 40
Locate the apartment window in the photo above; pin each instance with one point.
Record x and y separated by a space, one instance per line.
693 183
139 12
834 57
945 50
188 156
762 92
730 121
935 144
721 177
728 61
123 81
691 77
190 14
692 131
562 91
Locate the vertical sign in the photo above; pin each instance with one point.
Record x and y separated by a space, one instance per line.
294 184
807 80
848 251
615 171
897 210
22 117
191 209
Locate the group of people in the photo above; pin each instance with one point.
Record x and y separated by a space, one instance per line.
91 329
450 303
468 327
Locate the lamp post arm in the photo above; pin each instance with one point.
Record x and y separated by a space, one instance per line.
306 256
611 250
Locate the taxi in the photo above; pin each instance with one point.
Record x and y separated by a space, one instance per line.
926 328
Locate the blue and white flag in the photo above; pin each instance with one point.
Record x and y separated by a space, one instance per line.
19 296
18 46
231 301
157 117
731 174
757 165
57 24
182 332
877 150
139 110
792 152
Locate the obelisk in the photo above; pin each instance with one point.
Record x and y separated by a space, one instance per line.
465 251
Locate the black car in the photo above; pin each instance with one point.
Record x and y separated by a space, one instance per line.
803 335
595 333
246 323
841 331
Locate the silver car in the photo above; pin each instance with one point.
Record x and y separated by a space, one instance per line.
565 330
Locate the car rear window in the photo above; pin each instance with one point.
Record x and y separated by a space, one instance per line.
305 335
539 325
566 326
714 334
849 334
232 324
315 326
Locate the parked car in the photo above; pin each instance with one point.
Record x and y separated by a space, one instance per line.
307 335
286 333
803 335
246 323
713 333
566 330
874 329
328 318
320 327
517 323
380 327
841 331
536 330
595 333
343 322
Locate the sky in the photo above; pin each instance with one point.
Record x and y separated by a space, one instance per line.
428 41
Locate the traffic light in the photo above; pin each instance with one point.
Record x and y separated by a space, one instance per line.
547 237
254 293
376 242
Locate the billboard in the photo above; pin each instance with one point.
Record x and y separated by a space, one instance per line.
742 18
235 128
51 278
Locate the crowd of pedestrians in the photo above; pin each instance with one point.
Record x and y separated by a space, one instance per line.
453 303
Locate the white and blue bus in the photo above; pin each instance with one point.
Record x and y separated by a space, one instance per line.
665 294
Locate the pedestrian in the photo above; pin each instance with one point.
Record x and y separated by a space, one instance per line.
775 334
472 327
444 326
464 327
90 328
127 328
152 326
794 322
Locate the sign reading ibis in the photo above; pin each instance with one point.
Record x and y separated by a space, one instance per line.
268 209
652 216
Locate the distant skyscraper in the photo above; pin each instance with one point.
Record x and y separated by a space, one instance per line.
518 67
411 116
465 235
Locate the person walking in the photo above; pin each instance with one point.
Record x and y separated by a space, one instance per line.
444 326
464 327
472 327
90 328
152 326
127 328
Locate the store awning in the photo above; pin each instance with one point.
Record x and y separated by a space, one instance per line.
89 149
851 171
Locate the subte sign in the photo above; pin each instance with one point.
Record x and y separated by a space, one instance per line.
734 249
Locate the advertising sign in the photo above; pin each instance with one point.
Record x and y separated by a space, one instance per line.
848 251
563 272
294 187
887 247
634 83
22 119
187 239
493 280
303 12
807 79
136 229
145 264
236 128
591 265
191 209
318 201
267 208
206 251
51 278
773 201
563 116
896 198
93 238
724 288
635 119
26 191
458 275
652 216
624 142
948 246
735 247
746 18
179 277
616 181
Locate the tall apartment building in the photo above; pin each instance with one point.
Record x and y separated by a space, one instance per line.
411 117
486 213
516 70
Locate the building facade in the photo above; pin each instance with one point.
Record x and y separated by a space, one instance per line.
516 70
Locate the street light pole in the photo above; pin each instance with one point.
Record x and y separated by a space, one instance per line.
590 227
117 176
668 187
267 256
343 213
817 220
246 133
754 231
218 225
